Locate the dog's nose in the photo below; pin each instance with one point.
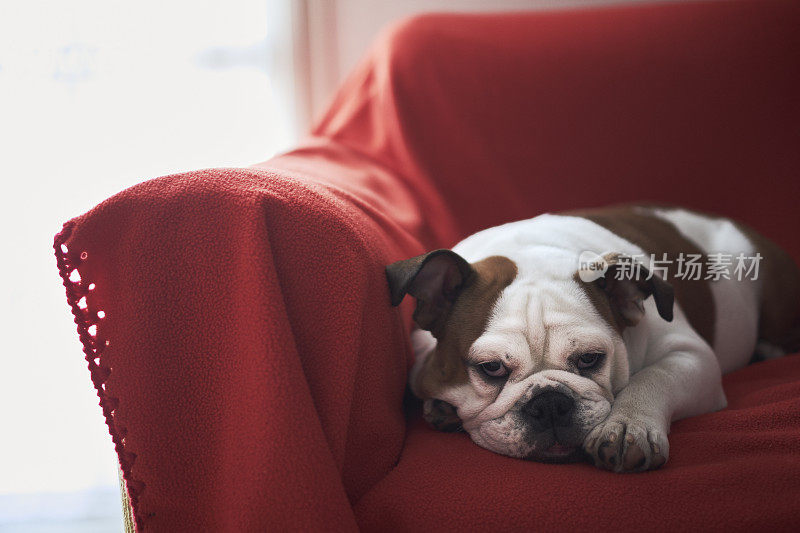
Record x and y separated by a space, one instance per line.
549 409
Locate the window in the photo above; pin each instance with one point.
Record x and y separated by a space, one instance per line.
95 96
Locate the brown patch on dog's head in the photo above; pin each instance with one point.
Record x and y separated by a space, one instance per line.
619 299
599 299
454 302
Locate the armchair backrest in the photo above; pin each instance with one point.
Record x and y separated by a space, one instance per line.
511 115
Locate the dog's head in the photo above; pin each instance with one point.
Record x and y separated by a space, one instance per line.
526 360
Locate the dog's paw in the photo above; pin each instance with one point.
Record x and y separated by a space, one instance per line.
628 444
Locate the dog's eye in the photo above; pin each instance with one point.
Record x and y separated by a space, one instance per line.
494 369
589 360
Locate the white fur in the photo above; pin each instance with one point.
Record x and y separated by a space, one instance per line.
735 302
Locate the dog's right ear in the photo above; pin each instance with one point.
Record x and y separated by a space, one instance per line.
435 279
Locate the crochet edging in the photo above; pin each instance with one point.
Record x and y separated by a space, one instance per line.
78 291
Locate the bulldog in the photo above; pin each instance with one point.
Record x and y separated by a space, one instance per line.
537 339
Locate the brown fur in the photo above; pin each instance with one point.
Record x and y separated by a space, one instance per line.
466 321
601 303
779 317
657 236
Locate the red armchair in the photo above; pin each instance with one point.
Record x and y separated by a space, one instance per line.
237 322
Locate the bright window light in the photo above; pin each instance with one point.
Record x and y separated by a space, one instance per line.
95 96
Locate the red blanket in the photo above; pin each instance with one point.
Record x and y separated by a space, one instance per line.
237 321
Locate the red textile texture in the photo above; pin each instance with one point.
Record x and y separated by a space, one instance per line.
255 370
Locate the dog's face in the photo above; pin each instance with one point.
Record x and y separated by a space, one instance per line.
527 362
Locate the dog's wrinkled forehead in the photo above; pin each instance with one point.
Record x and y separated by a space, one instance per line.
534 318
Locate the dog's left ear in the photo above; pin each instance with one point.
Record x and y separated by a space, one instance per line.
629 284
435 279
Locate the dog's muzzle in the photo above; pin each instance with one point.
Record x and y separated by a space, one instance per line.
548 410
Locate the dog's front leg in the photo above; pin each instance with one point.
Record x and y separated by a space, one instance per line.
634 436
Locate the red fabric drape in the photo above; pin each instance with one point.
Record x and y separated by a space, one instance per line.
254 372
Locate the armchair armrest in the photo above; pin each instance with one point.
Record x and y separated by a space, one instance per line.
238 331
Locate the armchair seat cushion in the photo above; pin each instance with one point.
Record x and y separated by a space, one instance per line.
734 470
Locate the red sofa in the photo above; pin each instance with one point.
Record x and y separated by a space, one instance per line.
247 359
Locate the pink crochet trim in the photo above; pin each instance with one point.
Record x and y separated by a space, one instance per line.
78 291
